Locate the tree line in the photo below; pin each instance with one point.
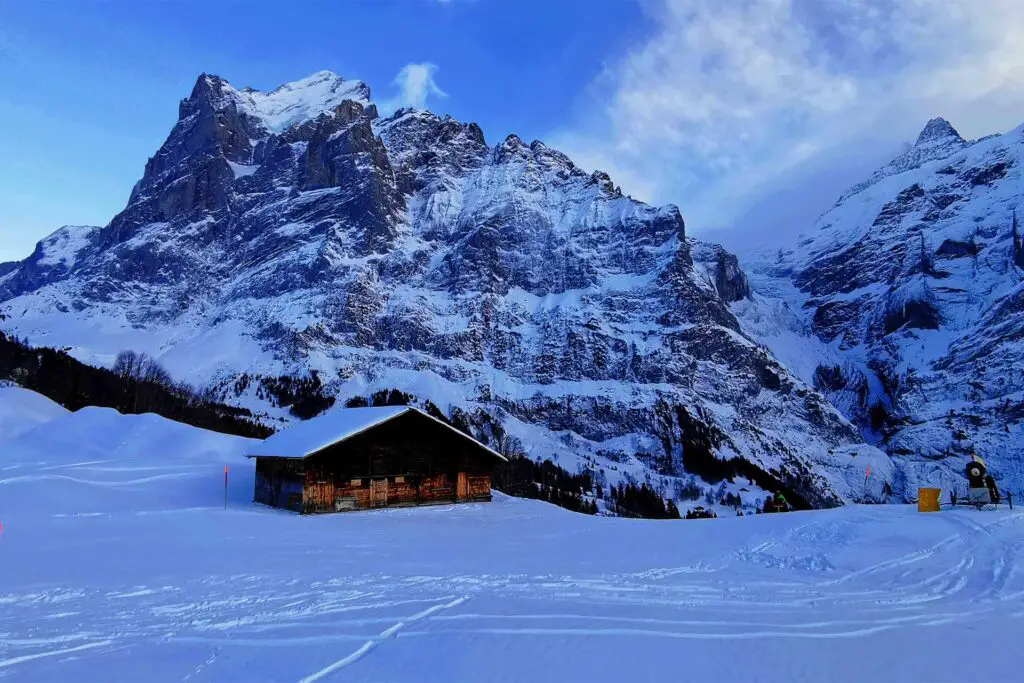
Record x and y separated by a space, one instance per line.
305 397
630 500
699 458
135 384
525 478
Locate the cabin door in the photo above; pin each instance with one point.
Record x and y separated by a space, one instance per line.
462 489
378 492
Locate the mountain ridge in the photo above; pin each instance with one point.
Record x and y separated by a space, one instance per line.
908 292
405 253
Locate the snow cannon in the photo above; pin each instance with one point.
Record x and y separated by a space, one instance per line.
976 471
983 489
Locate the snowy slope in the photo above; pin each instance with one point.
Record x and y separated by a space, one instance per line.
295 231
98 460
22 410
906 301
119 563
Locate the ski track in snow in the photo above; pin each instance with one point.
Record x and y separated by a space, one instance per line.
147 578
389 632
961 578
51 653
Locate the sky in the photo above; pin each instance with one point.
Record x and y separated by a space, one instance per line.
751 115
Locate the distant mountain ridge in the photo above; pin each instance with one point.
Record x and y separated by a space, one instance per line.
910 293
937 140
297 232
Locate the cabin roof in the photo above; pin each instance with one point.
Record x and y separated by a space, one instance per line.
308 437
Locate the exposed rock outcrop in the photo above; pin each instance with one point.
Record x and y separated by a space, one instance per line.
279 233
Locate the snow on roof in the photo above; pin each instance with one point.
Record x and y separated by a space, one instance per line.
306 438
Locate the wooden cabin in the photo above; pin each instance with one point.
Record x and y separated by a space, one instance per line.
360 458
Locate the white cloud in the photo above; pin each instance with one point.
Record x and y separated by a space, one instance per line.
416 85
724 101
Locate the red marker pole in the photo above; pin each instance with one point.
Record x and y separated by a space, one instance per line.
225 487
866 475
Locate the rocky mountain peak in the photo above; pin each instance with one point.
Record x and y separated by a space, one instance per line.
604 181
208 90
937 129
919 316
937 140
206 83
284 106
512 142
403 252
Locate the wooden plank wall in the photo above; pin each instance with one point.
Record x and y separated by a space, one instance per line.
479 487
318 495
280 483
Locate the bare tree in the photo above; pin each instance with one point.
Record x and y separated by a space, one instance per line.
154 373
140 370
511 447
511 476
127 365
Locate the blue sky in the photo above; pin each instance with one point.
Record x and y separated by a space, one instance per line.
91 89
752 115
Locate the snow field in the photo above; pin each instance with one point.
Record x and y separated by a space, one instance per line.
118 562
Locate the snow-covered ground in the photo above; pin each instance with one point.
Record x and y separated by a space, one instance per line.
119 563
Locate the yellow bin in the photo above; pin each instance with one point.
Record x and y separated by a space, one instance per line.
928 500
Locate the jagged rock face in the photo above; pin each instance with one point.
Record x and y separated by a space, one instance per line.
724 270
296 230
914 282
937 131
1018 244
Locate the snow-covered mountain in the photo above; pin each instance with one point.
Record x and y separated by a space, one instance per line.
286 232
905 305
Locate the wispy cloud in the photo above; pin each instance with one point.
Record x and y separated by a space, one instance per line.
416 85
723 101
